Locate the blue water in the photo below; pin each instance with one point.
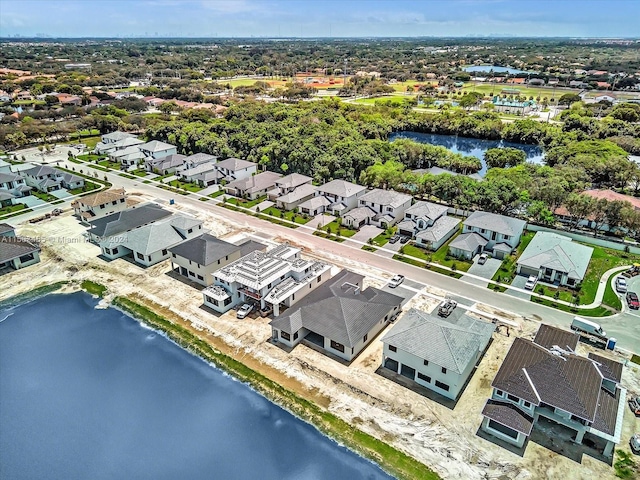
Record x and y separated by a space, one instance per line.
91 394
488 68
471 146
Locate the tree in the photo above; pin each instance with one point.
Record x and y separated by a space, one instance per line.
540 213
569 98
580 207
504 157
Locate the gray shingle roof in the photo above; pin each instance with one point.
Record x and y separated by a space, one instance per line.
315 202
439 229
234 164
299 193
427 209
385 197
150 238
5 228
341 188
547 336
125 220
156 146
255 183
247 246
335 311
40 171
448 345
496 223
198 158
509 415
610 369
12 247
360 213
170 161
117 135
6 177
6 195
468 242
557 252
205 249
293 180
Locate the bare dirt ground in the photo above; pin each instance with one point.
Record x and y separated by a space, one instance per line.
442 438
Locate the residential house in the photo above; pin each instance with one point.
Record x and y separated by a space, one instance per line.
70 181
108 141
150 244
165 165
253 187
578 84
555 259
16 252
341 317
436 353
101 204
14 184
288 184
491 232
563 215
6 198
196 159
291 200
129 157
156 149
383 208
429 224
197 259
314 206
254 277
67 99
235 169
118 223
43 178
341 195
204 174
546 378
609 97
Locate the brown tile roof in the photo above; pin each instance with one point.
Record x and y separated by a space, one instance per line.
508 415
610 369
607 412
13 247
103 197
535 374
548 336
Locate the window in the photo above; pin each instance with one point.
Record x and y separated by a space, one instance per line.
506 237
425 362
173 255
424 378
526 404
190 230
201 278
392 348
114 202
285 335
164 252
443 386
122 200
365 338
337 346
208 299
482 230
227 301
140 256
319 278
500 393
191 274
444 370
107 251
513 398
295 336
502 429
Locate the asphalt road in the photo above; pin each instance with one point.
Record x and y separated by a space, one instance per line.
625 327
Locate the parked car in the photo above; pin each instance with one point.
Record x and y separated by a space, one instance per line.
632 300
394 238
634 443
447 307
621 285
531 282
396 280
404 239
634 405
244 310
482 259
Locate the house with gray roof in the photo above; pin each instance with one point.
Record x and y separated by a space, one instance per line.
342 196
164 165
125 220
129 157
340 317
156 149
198 159
16 252
254 186
545 377
150 244
555 259
314 206
288 184
197 259
429 224
110 142
386 207
295 197
14 184
484 231
6 198
235 169
43 178
204 174
436 353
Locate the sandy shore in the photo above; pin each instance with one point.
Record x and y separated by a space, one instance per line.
444 439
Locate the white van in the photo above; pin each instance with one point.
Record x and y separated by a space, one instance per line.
587 326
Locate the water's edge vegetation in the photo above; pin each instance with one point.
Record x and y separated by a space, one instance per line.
395 462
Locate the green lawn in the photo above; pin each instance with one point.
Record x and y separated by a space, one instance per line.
369 248
292 217
140 173
382 239
344 231
190 187
109 164
216 194
44 196
88 187
440 256
507 271
241 202
488 89
90 157
12 208
320 233
386 100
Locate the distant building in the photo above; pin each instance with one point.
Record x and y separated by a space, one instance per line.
513 106
484 231
383 208
101 204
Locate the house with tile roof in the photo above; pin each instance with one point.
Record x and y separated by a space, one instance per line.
110 142
484 231
125 220
288 184
383 208
545 377
16 252
164 165
254 186
295 197
277 278
436 353
340 317
341 196
15 184
197 259
204 174
156 149
429 224
555 259
100 204
232 169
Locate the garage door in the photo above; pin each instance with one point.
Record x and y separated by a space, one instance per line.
391 364
527 271
408 372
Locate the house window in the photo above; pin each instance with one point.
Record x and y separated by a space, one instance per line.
506 237
513 398
295 336
114 250
364 339
319 278
114 202
482 230
526 404
424 378
201 278
337 346
444 370
285 335
173 255
443 386
500 393
392 348
122 200
164 252
140 256
425 362
227 301
190 230
191 274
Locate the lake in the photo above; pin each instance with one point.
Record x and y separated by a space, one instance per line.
92 394
489 68
471 146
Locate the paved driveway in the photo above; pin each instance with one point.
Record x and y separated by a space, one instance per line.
60 193
367 232
519 282
402 290
487 271
31 201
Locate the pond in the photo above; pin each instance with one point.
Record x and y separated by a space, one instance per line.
90 393
471 146
495 69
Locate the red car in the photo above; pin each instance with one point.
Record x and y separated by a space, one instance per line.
632 300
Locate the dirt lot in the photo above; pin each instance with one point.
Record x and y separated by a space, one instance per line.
443 438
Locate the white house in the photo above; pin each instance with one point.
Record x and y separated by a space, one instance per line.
291 200
109 140
254 186
341 195
101 204
288 184
165 165
340 316
14 184
483 231
429 224
436 353
383 208
546 378
156 149
235 169
204 174
117 224
16 252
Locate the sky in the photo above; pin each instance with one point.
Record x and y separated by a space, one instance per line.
319 18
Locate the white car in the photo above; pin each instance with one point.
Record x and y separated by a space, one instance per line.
482 259
396 280
244 310
531 282
621 285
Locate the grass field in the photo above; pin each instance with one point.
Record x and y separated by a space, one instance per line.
489 89
384 99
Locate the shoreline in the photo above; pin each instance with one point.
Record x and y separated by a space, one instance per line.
388 458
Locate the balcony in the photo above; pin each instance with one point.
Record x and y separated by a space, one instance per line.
250 293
